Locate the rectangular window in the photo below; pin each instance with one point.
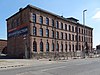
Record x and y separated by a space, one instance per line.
69 36
73 48
72 28
91 33
61 35
76 37
69 28
52 46
57 34
76 29
41 31
82 31
41 20
79 30
79 38
57 24
34 31
52 23
61 25
62 47
73 37
34 18
66 36
47 21
66 47
69 47
82 38
65 27
47 32
52 33
91 40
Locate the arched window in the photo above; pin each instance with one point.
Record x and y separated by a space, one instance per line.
61 47
79 38
82 47
52 46
66 47
57 47
79 47
41 46
34 46
47 46
41 31
69 47
76 47
47 32
34 31
52 33
73 48
41 20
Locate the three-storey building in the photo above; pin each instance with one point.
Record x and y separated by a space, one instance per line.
33 29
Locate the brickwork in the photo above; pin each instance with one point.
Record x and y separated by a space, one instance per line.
3 44
72 33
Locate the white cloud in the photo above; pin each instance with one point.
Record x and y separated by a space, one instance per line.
97 15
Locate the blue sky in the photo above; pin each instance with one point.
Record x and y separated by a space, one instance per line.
67 8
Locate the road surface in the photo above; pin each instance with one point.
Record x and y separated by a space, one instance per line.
88 66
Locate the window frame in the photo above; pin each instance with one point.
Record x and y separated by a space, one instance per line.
53 34
41 31
34 43
52 23
47 21
47 32
57 24
41 20
47 46
34 18
34 31
41 46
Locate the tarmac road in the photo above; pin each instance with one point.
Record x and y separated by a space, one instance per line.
88 66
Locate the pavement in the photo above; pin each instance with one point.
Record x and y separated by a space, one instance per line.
87 66
18 63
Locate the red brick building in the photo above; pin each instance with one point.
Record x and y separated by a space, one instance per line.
33 29
3 45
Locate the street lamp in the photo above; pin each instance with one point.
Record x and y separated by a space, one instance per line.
84 23
84 30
